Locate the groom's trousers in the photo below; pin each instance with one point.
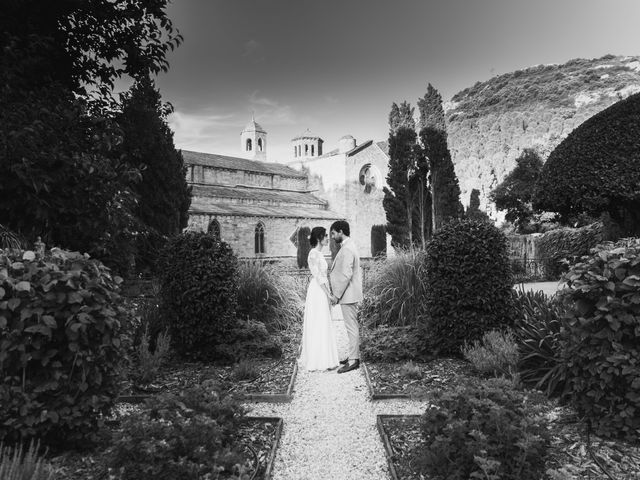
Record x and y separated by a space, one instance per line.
350 313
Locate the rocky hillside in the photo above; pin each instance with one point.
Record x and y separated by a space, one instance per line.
490 123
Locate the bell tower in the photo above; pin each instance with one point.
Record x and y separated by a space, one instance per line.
253 141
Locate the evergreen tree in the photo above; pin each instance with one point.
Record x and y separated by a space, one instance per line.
401 116
398 197
163 195
445 190
515 193
431 111
473 211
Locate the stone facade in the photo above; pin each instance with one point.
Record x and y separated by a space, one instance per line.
257 206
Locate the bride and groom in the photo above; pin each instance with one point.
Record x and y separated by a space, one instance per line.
338 285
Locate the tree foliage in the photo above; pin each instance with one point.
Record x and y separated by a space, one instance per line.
596 168
401 116
163 194
473 211
61 176
515 193
431 111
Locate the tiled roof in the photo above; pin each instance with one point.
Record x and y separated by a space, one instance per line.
238 163
258 194
384 146
247 210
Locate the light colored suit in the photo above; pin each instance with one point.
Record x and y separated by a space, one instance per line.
346 284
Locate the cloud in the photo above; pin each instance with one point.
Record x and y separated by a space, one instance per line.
271 111
199 131
254 51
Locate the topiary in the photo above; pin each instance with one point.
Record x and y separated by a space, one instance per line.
378 241
556 246
483 430
303 247
469 284
602 350
60 347
198 292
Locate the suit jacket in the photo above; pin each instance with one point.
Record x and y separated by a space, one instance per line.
344 275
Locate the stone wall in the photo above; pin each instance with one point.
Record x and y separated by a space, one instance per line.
523 246
218 176
239 232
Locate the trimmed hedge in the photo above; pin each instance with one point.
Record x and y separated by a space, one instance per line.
602 349
567 243
469 284
60 347
597 168
378 240
303 247
198 293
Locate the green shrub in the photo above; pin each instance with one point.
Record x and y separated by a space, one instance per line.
266 295
539 329
483 430
397 290
468 288
410 371
180 437
496 354
378 241
303 247
391 344
560 247
16 464
198 293
60 347
247 339
602 351
149 362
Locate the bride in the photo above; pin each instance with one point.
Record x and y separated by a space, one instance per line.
319 349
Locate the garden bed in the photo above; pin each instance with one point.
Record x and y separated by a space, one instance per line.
259 436
572 453
413 380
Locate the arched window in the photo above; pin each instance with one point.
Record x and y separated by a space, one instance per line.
259 238
369 178
306 149
249 145
312 150
259 144
295 151
214 228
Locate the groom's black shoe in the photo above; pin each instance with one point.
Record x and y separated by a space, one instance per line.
347 368
344 362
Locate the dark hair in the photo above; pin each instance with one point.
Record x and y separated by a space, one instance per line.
341 226
317 234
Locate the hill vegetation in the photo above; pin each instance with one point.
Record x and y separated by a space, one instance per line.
492 122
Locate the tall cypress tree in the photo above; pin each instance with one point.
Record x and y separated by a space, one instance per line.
401 116
445 190
163 195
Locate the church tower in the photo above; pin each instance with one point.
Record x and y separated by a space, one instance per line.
253 141
307 146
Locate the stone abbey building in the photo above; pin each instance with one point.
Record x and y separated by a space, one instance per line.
257 206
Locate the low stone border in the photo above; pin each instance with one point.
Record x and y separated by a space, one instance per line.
389 396
271 397
388 449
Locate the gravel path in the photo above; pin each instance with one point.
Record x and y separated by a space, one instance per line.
330 426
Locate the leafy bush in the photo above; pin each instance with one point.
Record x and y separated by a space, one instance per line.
397 290
391 344
596 168
267 295
180 437
247 339
468 288
539 329
568 244
149 362
198 293
16 464
483 430
60 347
602 351
9 239
410 371
378 241
303 247
496 354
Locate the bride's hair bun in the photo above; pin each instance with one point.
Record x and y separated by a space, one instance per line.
317 234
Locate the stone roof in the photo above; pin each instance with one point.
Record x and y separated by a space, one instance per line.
254 126
306 134
239 163
248 210
247 193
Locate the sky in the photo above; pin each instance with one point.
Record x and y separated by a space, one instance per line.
335 66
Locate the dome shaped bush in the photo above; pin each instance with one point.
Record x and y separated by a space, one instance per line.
469 284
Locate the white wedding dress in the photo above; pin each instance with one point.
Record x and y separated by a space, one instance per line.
319 348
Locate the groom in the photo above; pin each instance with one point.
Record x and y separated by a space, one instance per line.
346 289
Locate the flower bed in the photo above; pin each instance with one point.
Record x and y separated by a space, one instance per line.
413 379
